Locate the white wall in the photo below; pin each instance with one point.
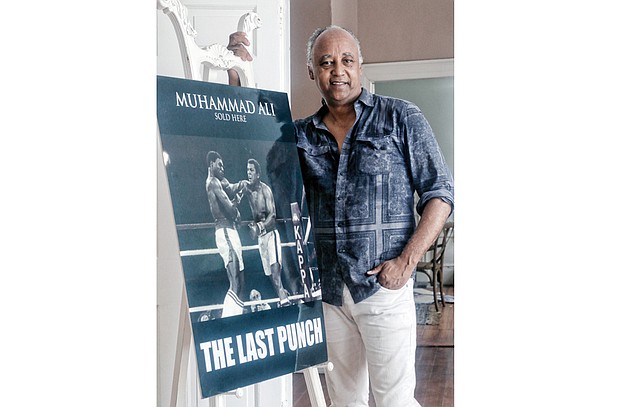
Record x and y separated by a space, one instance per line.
213 20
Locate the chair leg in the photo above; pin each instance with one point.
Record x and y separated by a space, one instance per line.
440 281
435 290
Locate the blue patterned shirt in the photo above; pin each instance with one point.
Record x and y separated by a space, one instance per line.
361 199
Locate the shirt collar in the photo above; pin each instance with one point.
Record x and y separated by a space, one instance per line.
365 97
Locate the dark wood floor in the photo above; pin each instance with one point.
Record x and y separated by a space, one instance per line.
434 365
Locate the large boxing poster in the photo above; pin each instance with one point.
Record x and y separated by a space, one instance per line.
244 234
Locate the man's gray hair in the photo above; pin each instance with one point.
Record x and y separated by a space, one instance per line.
319 31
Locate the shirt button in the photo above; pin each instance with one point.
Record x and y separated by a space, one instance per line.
341 250
340 224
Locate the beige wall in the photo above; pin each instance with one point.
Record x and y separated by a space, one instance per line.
306 16
344 14
389 31
406 30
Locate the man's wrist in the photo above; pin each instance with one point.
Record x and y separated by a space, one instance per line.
410 260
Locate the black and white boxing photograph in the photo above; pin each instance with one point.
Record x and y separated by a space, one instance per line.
244 235
244 238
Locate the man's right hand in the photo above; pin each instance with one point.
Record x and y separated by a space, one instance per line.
237 42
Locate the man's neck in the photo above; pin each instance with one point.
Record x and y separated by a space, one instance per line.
339 120
341 113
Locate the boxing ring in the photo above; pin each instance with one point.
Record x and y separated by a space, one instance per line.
314 288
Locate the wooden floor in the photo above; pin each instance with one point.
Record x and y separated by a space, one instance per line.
434 365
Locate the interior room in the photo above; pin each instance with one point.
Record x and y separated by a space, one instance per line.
408 48
94 307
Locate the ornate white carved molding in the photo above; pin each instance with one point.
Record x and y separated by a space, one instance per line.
199 63
249 22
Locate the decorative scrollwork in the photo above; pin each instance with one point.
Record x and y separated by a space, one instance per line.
248 22
199 61
220 57
179 9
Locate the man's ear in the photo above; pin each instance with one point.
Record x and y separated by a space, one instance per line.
310 73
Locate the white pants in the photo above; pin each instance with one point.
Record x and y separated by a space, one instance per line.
227 240
374 339
270 250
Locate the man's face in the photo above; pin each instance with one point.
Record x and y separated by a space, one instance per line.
217 168
336 68
252 175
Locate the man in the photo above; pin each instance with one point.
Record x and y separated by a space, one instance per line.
223 200
363 157
264 229
256 296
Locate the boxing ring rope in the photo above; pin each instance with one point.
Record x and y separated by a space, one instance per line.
201 252
248 303
207 225
204 252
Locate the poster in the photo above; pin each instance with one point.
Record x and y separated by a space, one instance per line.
245 238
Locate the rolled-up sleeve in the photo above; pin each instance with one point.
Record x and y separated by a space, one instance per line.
430 173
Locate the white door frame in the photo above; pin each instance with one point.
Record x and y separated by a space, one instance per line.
395 71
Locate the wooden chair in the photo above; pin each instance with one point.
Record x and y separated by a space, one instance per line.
433 268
